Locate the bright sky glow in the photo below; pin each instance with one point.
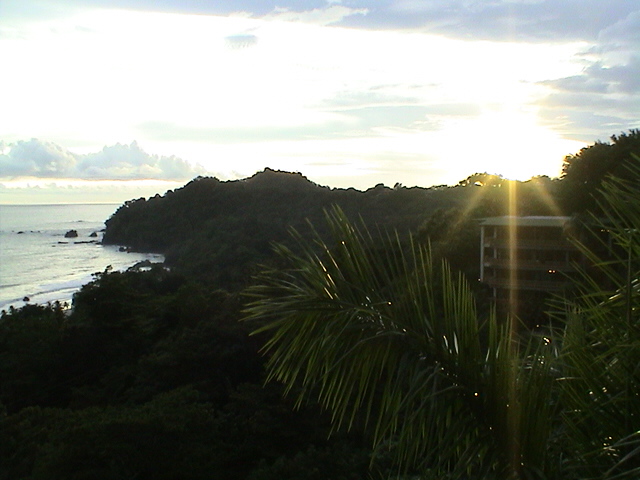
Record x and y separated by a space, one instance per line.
328 91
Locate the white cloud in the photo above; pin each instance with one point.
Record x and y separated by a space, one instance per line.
37 159
330 15
41 159
241 40
38 191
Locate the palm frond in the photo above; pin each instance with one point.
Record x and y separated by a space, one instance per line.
377 333
601 345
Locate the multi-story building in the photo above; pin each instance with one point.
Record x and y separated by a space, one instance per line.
531 254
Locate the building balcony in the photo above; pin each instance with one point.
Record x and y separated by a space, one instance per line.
534 265
531 285
529 244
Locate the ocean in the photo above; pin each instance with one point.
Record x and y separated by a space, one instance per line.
37 261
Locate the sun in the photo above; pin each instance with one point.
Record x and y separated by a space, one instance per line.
509 142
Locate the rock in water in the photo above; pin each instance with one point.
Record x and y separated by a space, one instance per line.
71 234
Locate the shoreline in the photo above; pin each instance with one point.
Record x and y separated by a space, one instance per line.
63 292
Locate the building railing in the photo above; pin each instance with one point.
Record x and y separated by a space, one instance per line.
564 266
521 244
535 285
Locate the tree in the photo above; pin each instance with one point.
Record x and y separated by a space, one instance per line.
31 367
388 338
600 386
584 172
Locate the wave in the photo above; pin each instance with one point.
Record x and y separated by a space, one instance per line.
48 293
62 292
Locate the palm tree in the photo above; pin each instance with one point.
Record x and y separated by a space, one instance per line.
600 387
381 335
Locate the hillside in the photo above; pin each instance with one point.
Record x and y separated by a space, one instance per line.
220 231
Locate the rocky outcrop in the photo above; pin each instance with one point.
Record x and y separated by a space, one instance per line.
71 234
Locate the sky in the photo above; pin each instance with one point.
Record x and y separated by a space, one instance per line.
108 100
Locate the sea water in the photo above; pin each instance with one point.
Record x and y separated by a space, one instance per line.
38 264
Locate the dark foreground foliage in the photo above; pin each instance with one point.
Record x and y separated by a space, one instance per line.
151 376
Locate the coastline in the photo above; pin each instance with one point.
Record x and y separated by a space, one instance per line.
39 263
63 291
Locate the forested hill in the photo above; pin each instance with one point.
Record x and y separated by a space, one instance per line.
213 226
222 230
254 209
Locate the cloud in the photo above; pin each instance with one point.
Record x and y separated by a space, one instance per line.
288 82
41 159
605 97
585 116
583 83
331 15
541 20
618 55
44 191
623 34
343 121
239 41
509 20
599 78
37 159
